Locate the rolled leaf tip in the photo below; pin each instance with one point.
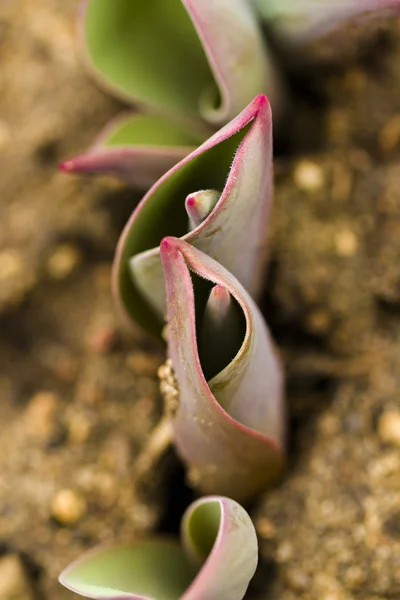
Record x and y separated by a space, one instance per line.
218 305
199 205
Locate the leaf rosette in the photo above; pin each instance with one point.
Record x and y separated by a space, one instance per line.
189 65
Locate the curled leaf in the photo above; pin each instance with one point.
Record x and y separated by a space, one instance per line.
216 561
136 148
229 424
193 57
236 163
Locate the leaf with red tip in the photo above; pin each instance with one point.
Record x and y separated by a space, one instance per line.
300 22
136 148
204 58
199 205
229 425
239 219
217 560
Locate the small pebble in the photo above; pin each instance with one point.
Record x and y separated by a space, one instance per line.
14 583
285 552
297 579
319 321
346 243
41 414
308 176
265 528
10 265
64 259
79 428
68 507
389 427
389 136
354 576
328 588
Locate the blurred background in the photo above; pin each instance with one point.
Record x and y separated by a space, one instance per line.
79 393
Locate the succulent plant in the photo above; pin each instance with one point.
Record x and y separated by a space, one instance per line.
192 255
191 65
224 381
216 560
217 199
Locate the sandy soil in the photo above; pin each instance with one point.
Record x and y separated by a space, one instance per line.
79 394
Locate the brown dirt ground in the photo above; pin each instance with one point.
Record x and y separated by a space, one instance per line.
79 395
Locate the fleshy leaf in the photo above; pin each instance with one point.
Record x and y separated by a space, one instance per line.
219 531
229 430
142 570
239 219
184 57
137 149
216 562
300 22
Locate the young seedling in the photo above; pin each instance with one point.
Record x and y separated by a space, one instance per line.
217 199
216 560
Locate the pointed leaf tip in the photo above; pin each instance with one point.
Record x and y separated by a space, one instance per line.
218 305
66 166
137 149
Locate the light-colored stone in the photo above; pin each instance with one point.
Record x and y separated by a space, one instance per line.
14 584
346 243
308 176
10 265
41 414
63 261
389 427
68 507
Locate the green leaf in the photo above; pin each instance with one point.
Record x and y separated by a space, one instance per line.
191 58
148 52
136 148
216 562
150 130
149 568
